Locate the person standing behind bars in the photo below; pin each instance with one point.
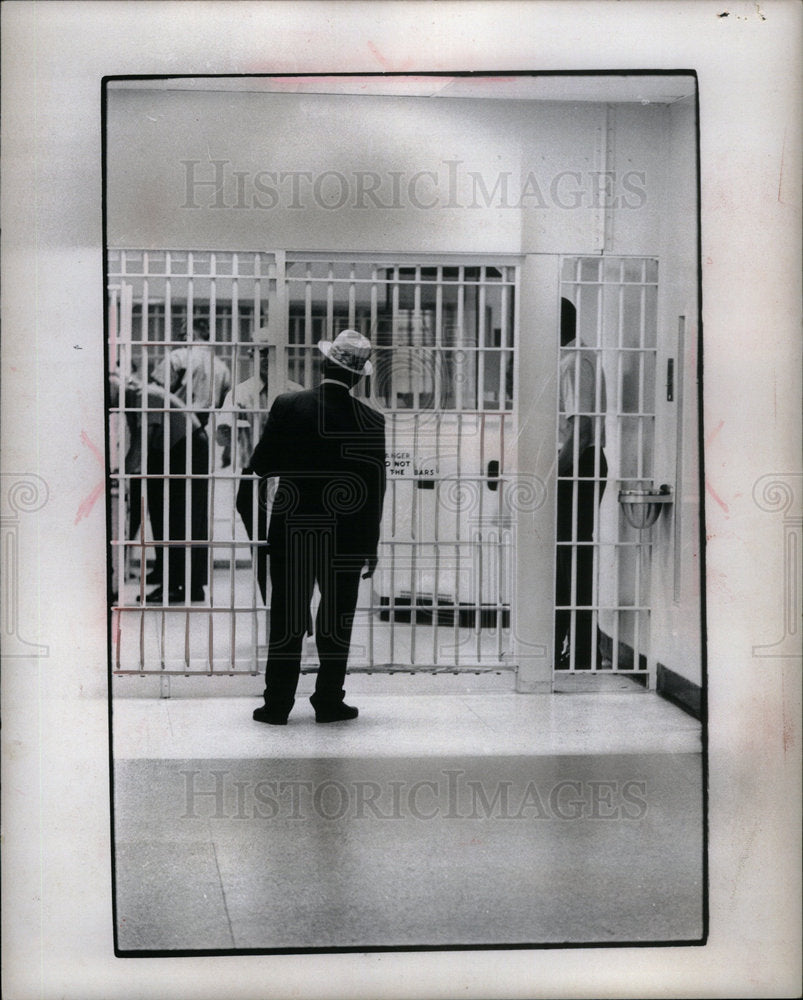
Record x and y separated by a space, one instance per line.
164 417
328 450
200 380
581 465
245 409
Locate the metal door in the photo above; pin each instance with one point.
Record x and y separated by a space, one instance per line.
444 354
603 606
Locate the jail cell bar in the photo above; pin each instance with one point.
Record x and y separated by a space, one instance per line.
443 356
443 374
153 299
616 303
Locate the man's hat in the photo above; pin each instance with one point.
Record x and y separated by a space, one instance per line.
349 350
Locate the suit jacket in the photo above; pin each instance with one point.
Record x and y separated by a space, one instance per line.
246 408
328 450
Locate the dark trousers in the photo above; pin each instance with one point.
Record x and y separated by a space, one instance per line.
134 506
308 556
177 491
584 534
252 506
135 493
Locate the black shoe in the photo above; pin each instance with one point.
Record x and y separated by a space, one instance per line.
339 712
264 714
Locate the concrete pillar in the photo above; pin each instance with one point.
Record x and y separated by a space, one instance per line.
533 619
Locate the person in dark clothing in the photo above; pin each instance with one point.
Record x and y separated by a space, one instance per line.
157 418
239 424
172 453
582 468
328 450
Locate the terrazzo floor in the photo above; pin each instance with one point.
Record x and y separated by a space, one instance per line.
489 819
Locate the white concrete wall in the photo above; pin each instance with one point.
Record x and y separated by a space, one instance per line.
676 638
312 172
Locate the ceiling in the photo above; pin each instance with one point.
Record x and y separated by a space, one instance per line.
613 88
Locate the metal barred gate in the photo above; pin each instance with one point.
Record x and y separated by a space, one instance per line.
616 304
444 335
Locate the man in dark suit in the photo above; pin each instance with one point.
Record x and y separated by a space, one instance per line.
328 450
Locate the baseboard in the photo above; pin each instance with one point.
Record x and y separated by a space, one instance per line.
680 691
177 686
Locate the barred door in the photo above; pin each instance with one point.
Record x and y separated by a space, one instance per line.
604 560
444 345
444 355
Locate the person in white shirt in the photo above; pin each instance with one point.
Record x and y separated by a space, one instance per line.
200 380
239 425
195 373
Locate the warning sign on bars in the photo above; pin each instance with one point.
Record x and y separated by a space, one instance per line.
404 465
